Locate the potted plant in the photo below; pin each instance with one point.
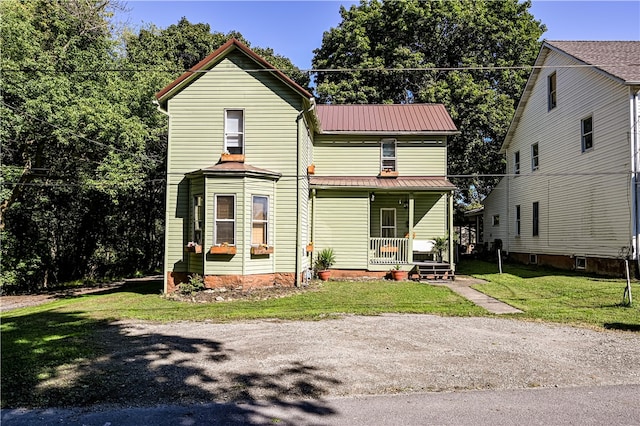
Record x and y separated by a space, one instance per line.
398 274
226 157
261 249
223 248
440 245
193 247
325 260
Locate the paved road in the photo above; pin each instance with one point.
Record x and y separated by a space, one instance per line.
610 405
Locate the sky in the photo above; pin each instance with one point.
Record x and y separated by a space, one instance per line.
294 28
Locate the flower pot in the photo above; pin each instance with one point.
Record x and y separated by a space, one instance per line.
228 158
223 250
309 248
324 275
399 275
261 250
311 169
193 249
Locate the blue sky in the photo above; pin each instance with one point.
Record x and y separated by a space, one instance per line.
294 28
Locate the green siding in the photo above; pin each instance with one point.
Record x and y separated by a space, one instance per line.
342 222
360 156
429 214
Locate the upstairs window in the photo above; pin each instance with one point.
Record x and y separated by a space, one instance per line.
388 155
225 223
587 134
260 220
551 92
198 208
535 164
495 220
234 131
516 163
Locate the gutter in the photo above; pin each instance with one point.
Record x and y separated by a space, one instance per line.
634 100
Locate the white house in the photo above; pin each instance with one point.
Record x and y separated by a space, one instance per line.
569 198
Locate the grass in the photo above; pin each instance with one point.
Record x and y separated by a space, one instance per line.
53 353
560 296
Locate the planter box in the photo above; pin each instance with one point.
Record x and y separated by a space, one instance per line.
388 174
311 169
261 250
193 249
223 250
309 248
228 158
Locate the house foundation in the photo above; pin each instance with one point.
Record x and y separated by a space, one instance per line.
244 282
591 265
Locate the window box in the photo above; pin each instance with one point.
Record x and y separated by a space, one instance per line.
311 169
388 249
223 250
309 247
388 173
259 250
193 248
228 158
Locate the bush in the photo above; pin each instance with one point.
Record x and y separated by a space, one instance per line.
195 284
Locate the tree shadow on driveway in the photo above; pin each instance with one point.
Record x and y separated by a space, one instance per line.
65 359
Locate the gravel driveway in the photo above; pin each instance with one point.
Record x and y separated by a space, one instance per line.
183 362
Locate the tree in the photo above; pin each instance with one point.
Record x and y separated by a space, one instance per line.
471 55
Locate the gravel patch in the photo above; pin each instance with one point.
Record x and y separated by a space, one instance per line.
185 362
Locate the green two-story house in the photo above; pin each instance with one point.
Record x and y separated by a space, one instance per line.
259 177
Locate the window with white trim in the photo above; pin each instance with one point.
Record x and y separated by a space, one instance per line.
260 220
516 163
225 220
552 100
388 160
495 220
388 223
198 209
586 130
536 219
234 131
581 263
518 225
535 162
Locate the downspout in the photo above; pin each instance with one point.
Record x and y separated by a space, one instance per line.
634 99
300 116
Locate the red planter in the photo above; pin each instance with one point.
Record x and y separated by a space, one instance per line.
399 275
324 275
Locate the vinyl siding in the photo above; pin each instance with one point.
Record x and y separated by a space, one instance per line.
342 223
196 140
360 155
583 196
429 215
496 204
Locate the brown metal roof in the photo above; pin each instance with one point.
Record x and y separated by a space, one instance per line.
236 168
620 59
414 183
396 118
169 91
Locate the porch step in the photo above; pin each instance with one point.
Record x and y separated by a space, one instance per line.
431 271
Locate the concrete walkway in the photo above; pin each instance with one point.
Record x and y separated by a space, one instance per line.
462 286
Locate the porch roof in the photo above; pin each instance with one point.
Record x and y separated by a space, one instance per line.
233 168
405 183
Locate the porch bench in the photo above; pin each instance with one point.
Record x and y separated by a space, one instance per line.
431 270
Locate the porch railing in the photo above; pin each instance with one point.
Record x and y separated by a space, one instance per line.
388 251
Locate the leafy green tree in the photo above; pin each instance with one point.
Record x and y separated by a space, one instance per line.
471 55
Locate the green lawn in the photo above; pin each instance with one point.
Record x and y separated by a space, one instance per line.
559 296
49 351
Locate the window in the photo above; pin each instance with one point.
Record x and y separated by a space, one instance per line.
533 259
535 164
260 220
495 220
388 155
225 225
388 223
536 218
518 221
234 131
516 162
551 91
581 263
196 231
587 133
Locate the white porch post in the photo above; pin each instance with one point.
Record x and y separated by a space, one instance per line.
411 216
450 230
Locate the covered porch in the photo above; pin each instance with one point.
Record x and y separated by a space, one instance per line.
384 223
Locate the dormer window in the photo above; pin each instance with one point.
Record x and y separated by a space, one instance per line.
388 155
234 131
